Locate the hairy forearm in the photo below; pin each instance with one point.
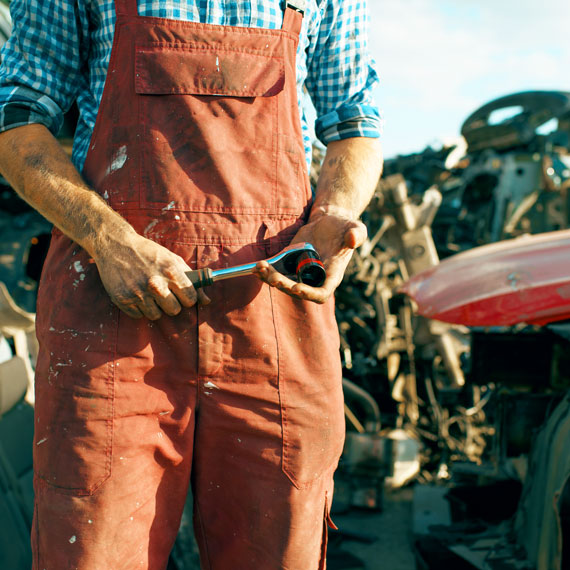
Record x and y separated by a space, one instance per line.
36 166
142 277
348 177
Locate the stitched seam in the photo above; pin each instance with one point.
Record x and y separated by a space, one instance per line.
279 378
285 463
196 308
152 21
111 368
283 212
275 102
111 396
281 383
203 533
196 46
36 536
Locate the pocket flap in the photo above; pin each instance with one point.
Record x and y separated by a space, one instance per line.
197 69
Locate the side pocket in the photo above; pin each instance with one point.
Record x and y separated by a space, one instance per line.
310 388
77 330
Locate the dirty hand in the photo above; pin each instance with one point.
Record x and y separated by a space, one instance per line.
335 236
144 279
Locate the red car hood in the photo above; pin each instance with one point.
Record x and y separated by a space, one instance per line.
523 280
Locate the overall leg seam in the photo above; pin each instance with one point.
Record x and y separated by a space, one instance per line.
203 536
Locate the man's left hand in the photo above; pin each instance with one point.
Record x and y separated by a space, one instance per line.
347 180
335 237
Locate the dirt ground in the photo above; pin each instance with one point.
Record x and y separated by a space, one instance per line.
366 540
385 537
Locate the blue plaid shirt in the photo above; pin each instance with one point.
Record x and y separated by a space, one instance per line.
59 52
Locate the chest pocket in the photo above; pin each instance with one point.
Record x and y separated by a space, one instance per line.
211 131
199 69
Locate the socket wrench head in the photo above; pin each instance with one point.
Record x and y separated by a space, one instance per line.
300 261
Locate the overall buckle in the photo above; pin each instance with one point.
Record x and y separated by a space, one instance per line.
297 5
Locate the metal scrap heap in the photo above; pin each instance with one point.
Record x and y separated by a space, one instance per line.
471 398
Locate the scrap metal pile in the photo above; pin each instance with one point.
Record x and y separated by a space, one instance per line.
472 399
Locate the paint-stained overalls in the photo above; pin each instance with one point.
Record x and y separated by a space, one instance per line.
198 145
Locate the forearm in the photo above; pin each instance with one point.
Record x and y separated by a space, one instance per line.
348 177
36 166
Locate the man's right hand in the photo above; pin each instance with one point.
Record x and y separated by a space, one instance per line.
144 279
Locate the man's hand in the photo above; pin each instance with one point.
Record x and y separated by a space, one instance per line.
144 279
335 237
348 178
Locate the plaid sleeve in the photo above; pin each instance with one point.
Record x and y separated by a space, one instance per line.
39 75
341 75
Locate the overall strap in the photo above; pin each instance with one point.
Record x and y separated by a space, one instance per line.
293 18
126 8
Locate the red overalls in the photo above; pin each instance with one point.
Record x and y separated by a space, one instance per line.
198 145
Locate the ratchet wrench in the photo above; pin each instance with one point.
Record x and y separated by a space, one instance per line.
299 261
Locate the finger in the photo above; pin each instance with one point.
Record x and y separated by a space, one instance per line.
163 296
185 292
298 290
169 304
130 310
127 304
203 299
354 237
314 294
149 309
272 277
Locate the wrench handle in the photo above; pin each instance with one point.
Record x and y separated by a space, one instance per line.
201 277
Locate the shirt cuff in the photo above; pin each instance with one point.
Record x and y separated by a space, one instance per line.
21 106
347 122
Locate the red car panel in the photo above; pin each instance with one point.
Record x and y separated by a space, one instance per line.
523 280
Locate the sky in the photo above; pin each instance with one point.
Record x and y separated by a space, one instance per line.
440 60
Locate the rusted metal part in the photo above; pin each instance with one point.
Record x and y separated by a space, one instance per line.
529 110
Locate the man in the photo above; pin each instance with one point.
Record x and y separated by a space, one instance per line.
196 158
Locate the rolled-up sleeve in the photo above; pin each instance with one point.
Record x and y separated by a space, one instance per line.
40 74
341 75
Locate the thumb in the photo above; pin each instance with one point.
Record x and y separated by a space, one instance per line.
355 235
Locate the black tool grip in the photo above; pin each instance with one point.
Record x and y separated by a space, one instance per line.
200 277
